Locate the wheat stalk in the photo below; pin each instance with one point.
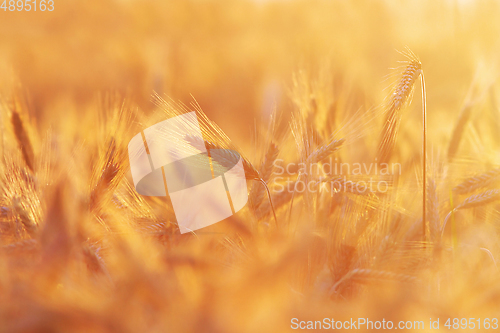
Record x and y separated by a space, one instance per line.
424 152
433 210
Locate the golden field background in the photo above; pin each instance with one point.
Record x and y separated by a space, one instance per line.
82 252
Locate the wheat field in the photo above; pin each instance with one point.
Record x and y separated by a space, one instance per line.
374 190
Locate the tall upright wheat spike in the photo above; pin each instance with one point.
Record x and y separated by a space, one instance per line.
400 97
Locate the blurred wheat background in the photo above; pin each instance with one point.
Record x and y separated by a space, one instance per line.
81 251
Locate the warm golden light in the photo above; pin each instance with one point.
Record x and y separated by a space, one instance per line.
321 105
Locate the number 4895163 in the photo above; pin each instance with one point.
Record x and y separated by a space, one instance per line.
27 5
471 323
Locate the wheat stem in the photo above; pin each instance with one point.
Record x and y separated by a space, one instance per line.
424 151
433 210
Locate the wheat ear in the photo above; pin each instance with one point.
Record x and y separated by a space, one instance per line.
111 173
266 170
317 156
22 138
476 182
480 199
399 98
475 200
324 151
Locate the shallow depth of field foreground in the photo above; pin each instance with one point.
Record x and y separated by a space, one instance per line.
325 102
